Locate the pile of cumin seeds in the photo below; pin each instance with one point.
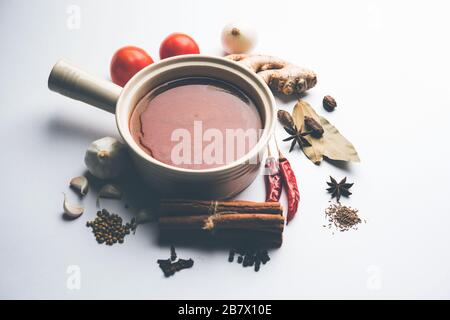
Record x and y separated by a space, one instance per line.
343 218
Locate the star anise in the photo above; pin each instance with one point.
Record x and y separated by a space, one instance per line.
339 189
297 137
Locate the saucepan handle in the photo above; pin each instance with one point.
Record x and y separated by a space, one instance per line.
77 84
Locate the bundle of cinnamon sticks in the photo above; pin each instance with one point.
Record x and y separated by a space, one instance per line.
241 223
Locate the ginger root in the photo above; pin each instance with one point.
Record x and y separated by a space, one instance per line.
281 76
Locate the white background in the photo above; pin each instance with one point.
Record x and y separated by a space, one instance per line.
387 64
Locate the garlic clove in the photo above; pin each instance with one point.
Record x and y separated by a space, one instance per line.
106 158
72 210
144 216
80 184
110 191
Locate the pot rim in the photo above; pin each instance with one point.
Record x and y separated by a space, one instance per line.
124 107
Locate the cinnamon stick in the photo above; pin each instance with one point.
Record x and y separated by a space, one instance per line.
239 222
250 239
182 222
245 221
204 207
271 222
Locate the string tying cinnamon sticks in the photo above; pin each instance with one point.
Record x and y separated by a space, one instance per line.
255 223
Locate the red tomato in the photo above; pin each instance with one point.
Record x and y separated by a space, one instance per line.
176 44
126 62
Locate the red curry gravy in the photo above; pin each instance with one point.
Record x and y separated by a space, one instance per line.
185 123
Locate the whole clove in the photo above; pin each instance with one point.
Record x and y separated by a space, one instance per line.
250 258
264 256
257 265
247 260
164 262
169 267
231 256
173 254
181 264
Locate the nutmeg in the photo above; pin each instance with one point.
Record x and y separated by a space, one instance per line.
312 125
285 119
329 103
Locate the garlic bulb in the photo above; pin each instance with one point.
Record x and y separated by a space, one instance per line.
238 37
106 158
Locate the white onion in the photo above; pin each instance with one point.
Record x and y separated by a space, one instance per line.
238 37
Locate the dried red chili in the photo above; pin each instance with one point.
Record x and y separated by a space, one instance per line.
272 178
290 185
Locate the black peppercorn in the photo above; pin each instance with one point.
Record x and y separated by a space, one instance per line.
107 228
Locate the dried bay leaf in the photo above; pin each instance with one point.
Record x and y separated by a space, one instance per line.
336 146
314 152
332 145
